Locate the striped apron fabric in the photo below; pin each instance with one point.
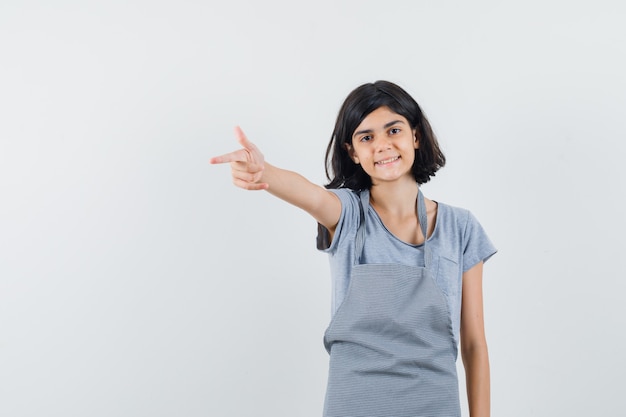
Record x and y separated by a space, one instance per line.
391 344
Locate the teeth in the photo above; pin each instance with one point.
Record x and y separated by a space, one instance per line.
386 161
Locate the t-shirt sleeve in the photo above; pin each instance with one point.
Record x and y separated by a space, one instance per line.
348 218
476 244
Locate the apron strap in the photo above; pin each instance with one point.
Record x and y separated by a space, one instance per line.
364 197
423 219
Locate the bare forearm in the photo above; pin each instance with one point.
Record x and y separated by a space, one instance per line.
299 191
476 362
288 185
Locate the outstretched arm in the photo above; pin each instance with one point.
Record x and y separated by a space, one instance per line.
250 171
474 344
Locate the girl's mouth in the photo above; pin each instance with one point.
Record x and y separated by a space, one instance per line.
387 161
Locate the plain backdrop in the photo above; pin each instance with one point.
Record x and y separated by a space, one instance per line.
135 280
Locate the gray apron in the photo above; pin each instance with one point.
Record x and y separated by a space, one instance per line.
391 344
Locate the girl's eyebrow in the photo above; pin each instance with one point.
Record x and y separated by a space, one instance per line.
387 125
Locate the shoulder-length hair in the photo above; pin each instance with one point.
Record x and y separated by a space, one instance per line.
341 170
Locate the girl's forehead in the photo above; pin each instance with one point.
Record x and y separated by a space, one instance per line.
380 118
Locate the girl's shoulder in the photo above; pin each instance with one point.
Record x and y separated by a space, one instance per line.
452 212
348 219
458 228
458 220
349 199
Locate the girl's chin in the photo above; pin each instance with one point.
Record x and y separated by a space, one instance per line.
391 178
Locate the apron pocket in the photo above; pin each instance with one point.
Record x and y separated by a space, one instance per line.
447 276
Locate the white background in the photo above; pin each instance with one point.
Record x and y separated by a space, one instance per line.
135 280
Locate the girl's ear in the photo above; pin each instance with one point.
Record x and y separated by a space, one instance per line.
416 141
351 153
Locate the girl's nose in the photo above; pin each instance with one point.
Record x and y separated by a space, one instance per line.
383 144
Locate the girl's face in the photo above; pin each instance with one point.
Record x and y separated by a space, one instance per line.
384 144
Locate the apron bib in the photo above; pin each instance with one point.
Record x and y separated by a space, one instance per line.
391 344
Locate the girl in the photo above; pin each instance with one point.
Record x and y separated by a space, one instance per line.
406 270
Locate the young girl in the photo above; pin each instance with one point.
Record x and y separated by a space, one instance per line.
406 270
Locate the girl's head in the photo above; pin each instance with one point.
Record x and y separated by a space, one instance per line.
342 171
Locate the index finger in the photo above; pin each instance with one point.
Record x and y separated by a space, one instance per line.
237 156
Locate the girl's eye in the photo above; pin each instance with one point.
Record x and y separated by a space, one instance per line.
394 130
365 138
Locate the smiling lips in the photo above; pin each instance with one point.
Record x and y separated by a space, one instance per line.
387 161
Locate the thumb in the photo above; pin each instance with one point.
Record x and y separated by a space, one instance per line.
243 140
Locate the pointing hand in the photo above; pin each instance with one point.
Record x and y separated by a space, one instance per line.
246 164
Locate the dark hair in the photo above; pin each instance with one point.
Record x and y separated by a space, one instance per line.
341 170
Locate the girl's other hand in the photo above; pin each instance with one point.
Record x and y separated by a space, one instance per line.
246 164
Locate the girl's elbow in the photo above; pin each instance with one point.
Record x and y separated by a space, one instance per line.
471 342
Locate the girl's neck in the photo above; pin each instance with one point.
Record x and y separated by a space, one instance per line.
396 197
